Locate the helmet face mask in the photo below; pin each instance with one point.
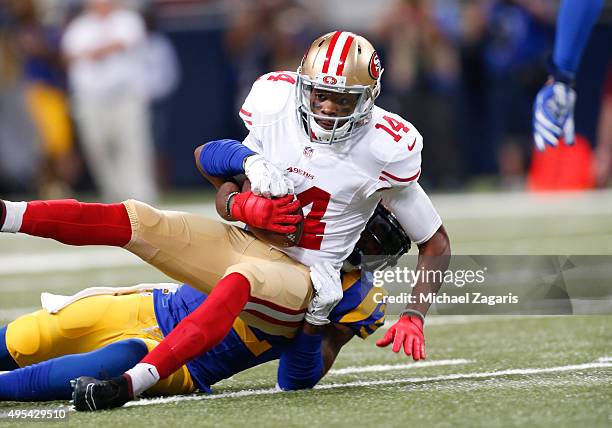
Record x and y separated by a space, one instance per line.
340 128
356 70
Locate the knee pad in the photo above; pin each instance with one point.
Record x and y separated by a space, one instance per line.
144 217
276 283
23 336
142 214
255 276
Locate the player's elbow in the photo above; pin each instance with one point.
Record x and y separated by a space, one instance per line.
197 153
437 245
443 242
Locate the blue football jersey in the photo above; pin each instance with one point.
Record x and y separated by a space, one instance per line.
245 346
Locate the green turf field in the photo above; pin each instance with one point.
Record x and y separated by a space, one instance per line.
481 370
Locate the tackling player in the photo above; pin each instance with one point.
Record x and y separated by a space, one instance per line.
316 133
106 332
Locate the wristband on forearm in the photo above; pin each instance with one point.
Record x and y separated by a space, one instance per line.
559 75
413 312
245 160
228 201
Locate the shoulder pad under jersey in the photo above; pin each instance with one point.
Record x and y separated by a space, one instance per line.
396 146
271 97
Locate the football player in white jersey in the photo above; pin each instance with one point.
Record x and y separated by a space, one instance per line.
315 133
319 127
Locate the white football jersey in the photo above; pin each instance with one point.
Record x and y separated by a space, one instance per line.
337 184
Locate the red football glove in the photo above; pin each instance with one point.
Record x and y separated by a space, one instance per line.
270 214
408 331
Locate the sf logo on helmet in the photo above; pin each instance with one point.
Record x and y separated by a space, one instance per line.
330 80
374 66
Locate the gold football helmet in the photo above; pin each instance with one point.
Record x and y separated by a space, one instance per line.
340 62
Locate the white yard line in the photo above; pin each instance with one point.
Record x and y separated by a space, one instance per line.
390 367
604 362
452 207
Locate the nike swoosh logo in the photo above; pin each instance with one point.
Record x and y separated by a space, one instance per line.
89 399
410 147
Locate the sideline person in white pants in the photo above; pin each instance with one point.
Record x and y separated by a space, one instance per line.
109 98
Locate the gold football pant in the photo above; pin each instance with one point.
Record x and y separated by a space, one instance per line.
200 251
90 324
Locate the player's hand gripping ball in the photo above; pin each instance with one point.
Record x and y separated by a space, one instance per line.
277 221
267 179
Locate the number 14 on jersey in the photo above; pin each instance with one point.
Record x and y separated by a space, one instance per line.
395 128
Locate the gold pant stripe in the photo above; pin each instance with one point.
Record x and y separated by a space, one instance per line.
200 251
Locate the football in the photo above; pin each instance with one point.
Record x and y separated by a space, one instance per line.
283 240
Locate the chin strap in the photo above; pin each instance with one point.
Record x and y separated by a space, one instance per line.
320 133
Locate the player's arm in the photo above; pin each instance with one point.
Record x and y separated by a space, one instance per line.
434 254
218 161
215 180
302 364
224 199
553 112
277 215
310 356
97 53
420 220
226 158
336 336
603 151
575 21
315 348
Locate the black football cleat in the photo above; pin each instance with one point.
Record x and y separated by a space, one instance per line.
90 394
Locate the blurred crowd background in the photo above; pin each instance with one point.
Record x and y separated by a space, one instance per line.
113 96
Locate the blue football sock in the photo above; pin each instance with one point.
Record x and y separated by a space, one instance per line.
50 380
6 360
